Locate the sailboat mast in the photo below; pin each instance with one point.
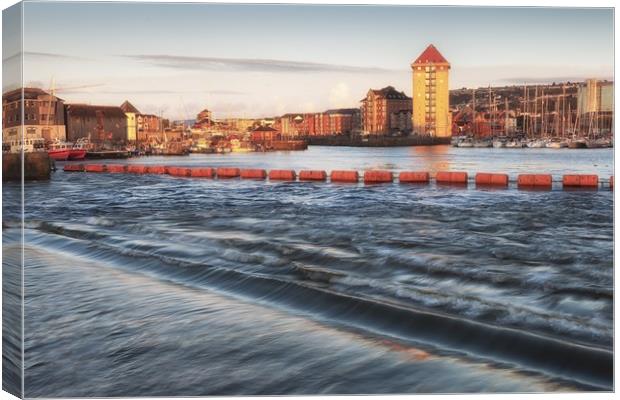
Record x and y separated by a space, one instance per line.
563 110
524 110
490 113
505 115
535 133
473 111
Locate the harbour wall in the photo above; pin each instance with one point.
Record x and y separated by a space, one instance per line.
37 166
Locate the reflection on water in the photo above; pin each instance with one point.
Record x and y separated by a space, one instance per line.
156 285
432 158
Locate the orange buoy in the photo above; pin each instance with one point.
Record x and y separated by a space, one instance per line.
611 182
378 176
344 176
201 172
116 168
228 172
446 177
282 175
94 168
486 179
541 181
413 177
156 169
137 169
178 171
586 181
253 174
73 168
309 175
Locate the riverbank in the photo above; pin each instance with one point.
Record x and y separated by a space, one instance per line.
376 141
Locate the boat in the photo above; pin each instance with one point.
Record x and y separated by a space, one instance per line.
175 149
556 144
598 143
515 144
59 150
79 149
464 141
577 144
499 143
483 143
537 144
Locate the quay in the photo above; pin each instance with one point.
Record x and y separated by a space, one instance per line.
377 140
458 178
36 166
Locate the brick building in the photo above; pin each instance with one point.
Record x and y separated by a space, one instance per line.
264 135
343 121
43 115
150 128
378 107
98 123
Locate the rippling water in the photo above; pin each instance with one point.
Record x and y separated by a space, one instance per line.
156 285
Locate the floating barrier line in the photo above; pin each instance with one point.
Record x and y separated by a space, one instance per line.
456 178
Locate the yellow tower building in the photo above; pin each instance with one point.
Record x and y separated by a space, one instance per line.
431 98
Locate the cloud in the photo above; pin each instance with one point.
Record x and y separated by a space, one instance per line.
164 91
245 64
39 54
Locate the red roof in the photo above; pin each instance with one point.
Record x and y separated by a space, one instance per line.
430 56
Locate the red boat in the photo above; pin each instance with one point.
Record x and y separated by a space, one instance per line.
77 154
59 151
78 151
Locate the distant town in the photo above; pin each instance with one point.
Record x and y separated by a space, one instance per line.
558 114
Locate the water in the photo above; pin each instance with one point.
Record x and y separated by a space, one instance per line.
156 285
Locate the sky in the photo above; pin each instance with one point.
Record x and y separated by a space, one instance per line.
266 60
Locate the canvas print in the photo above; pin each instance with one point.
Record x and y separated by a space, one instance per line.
296 199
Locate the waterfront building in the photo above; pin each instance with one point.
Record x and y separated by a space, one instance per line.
321 124
204 119
595 105
343 120
431 100
149 128
238 124
378 107
595 96
97 123
264 135
267 121
401 121
132 124
43 115
293 125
